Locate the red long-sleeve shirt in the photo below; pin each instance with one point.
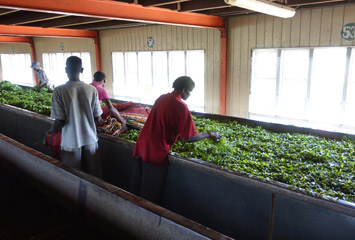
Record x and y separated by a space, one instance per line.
169 119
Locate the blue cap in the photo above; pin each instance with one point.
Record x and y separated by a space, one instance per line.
35 64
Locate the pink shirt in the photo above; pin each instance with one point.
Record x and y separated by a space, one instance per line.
103 94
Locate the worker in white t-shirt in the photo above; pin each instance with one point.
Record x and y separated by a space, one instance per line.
76 109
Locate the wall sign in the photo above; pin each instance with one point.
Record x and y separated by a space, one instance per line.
348 32
61 46
150 42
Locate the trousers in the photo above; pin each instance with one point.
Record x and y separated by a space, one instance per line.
147 180
86 158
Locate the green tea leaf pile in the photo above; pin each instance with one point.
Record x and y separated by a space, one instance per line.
315 165
39 102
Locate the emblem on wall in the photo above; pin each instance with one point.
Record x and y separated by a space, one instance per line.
150 42
61 46
348 32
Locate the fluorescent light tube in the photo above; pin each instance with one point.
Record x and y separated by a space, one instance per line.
264 7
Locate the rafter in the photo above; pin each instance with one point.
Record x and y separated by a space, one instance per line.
19 18
108 25
196 6
308 2
158 3
67 22
116 10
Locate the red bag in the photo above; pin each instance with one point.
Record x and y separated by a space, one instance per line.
53 141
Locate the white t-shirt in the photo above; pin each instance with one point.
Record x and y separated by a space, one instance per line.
77 103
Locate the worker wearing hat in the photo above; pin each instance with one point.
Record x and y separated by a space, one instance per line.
42 77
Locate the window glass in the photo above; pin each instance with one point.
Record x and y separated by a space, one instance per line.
54 66
327 85
144 76
349 114
263 82
293 83
311 90
16 68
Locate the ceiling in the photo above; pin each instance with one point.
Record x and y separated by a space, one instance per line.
210 7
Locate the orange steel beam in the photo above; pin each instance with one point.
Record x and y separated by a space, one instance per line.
223 78
46 32
116 10
11 39
49 32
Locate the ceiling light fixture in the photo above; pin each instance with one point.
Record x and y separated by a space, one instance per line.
264 7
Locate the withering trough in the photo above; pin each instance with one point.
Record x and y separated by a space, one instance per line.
227 202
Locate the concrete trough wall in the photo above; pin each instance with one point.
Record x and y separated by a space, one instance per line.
96 199
235 205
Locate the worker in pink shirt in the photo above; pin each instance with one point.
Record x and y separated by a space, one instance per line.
98 83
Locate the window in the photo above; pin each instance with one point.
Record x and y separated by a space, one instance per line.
54 66
144 76
16 68
313 87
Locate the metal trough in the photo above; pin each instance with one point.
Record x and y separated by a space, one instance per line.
234 205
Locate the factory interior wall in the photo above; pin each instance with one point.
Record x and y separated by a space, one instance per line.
167 38
56 45
315 27
12 48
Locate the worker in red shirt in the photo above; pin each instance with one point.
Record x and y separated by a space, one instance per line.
169 119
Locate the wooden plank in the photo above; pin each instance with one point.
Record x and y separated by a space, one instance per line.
173 37
197 38
260 30
209 73
153 33
252 31
190 38
179 38
286 33
269 25
244 77
326 26
230 64
295 30
184 38
305 28
277 36
316 15
349 17
217 70
204 36
337 25
236 74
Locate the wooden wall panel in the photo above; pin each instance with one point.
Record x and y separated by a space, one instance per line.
305 28
53 45
315 27
337 23
349 17
13 48
167 38
326 26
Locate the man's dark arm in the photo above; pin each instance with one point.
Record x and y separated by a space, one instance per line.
57 126
213 135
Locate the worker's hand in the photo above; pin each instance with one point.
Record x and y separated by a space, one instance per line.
215 136
124 127
101 121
